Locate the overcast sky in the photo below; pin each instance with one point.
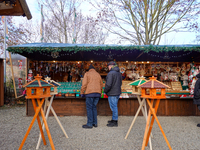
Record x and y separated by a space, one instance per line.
168 39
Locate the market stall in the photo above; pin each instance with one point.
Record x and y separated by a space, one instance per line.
175 66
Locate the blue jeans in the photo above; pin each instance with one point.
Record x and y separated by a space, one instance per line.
113 101
91 103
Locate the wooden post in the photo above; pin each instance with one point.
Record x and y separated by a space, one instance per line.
13 75
1 82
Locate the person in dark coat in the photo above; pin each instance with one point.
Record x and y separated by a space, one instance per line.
196 98
113 91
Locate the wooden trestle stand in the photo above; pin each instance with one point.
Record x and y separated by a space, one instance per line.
39 90
49 105
142 105
149 91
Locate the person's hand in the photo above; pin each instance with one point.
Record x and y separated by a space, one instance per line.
82 95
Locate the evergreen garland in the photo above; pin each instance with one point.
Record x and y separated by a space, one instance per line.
77 47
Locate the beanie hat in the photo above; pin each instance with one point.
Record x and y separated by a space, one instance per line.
112 63
91 67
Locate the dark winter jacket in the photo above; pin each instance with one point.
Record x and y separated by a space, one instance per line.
196 98
113 82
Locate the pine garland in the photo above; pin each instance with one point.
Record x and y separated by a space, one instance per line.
86 47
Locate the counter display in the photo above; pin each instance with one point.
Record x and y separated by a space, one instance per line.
180 78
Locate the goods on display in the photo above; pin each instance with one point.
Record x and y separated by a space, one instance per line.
180 77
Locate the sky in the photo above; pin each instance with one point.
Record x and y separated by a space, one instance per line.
176 38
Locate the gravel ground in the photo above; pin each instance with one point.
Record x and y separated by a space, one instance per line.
182 133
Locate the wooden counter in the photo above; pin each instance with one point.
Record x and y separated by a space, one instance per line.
126 107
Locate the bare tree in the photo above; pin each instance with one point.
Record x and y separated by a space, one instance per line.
64 23
144 22
15 34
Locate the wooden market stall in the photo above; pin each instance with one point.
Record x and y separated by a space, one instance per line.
68 62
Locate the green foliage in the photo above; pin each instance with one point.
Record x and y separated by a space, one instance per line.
77 48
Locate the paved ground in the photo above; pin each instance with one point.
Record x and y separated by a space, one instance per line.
182 133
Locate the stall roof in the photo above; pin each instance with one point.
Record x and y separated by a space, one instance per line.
85 52
15 8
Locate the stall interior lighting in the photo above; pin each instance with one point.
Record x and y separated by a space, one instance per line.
126 61
147 61
54 61
142 62
91 61
135 62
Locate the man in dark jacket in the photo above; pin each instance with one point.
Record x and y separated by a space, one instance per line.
196 98
113 91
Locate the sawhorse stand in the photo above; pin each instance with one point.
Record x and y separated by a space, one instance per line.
142 106
149 126
49 105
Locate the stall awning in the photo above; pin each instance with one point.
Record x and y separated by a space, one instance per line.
14 8
86 52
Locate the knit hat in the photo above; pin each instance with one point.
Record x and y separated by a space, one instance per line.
91 67
111 63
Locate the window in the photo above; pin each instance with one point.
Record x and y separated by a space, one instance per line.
44 91
33 91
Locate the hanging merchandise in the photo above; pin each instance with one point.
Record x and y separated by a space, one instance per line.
178 69
188 67
142 72
167 68
36 66
183 72
47 68
122 69
183 67
192 86
20 64
60 68
158 66
185 80
133 66
20 83
30 75
129 66
162 66
153 66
